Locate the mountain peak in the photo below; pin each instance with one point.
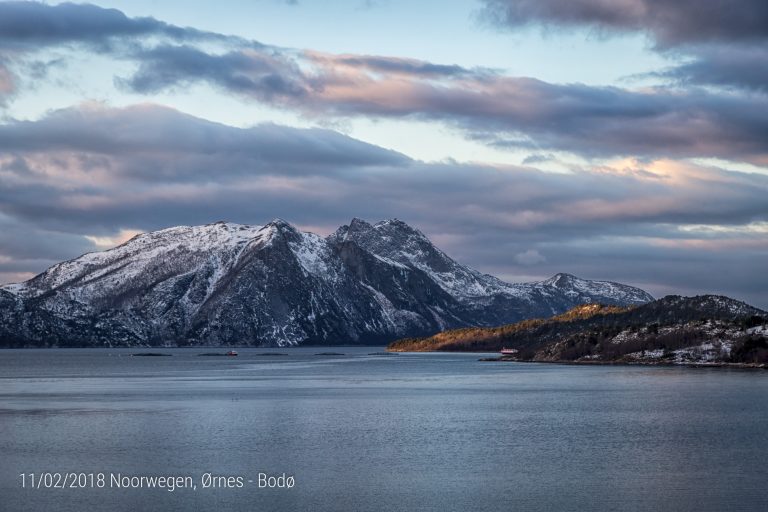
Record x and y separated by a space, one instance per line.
281 226
278 222
358 226
713 304
585 290
358 222
397 225
561 279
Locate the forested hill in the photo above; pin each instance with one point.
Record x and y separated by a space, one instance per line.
674 329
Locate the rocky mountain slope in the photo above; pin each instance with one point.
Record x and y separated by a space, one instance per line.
682 330
522 334
231 284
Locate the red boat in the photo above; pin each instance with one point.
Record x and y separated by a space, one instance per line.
508 351
232 353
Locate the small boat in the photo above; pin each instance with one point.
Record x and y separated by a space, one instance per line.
232 353
508 351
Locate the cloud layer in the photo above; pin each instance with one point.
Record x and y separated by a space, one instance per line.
503 111
34 24
669 23
99 171
489 106
724 43
641 211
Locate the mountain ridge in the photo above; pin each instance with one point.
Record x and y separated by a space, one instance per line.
239 284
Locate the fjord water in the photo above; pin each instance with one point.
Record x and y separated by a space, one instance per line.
376 432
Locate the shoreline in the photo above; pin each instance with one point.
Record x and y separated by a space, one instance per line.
493 357
751 366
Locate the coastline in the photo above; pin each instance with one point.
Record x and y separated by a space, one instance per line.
503 359
755 366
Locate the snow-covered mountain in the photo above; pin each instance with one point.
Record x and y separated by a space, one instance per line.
234 284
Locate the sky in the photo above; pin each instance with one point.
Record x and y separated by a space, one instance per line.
623 140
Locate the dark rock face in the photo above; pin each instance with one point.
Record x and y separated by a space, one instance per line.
272 285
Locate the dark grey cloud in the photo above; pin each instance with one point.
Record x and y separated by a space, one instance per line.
499 110
669 23
260 74
133 143
98 171
26 248
27 28
538 158
502 111
721 42
80 151
272 74
36 24
728 66
22 245
607 121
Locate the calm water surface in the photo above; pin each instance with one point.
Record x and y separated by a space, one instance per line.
366 432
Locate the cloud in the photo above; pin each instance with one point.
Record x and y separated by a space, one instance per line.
276 75
95 139
499 110
27 248
728 66
28 28
395 66
88 159
669 23
489 106
529 257
107 242
538 158
7 83
94 173
722 43
260 74
34 24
